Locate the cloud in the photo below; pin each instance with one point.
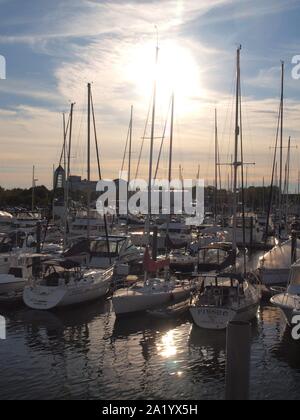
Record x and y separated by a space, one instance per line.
112 44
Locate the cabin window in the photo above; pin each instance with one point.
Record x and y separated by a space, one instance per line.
16 272
100 248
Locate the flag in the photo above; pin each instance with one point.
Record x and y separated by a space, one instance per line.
152 266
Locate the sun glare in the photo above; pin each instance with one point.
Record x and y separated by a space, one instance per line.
177 70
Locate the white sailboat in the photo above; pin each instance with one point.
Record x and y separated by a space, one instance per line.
227 297
153 291
65 283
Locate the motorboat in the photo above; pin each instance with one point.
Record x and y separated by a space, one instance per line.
15 273
214 257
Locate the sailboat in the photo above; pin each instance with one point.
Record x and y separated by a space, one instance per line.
153 292
227 297
65 283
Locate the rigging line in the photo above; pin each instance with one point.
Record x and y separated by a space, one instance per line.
273 177
96 138
66 129
100 174
162 141
143 141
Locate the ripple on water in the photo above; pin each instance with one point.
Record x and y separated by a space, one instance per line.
85 353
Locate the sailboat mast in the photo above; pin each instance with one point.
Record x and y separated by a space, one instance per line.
288 164
89 161
281 144
236 164
67 187
171 138
33 188
151 148
216 164
130 145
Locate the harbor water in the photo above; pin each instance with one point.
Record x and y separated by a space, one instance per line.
85 353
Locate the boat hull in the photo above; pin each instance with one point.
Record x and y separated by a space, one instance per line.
277 277
216 318
131 301
10 284
47 298
289 305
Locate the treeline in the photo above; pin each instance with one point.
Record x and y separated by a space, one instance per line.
18 197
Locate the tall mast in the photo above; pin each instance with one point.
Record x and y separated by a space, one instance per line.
171 138
281 144
216 164
67 187
89 161
152 147
33 188
288 163
236 164
130 145
171 158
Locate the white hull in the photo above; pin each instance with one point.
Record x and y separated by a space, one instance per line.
289 305
142 299
216 318
93 286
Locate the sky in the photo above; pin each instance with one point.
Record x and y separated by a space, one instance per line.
53 49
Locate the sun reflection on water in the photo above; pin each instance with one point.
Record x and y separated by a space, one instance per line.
167 346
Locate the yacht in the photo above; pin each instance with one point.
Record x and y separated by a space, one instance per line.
214 257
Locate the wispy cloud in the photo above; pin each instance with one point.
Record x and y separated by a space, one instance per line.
112 44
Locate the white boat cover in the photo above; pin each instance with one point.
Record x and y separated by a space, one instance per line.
280 256
6 217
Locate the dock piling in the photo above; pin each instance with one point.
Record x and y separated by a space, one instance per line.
238 361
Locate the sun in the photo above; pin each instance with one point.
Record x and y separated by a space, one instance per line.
176 71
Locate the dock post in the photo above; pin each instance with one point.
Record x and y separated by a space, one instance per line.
155 239
238 353
294 247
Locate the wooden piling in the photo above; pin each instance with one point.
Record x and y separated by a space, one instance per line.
238 361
